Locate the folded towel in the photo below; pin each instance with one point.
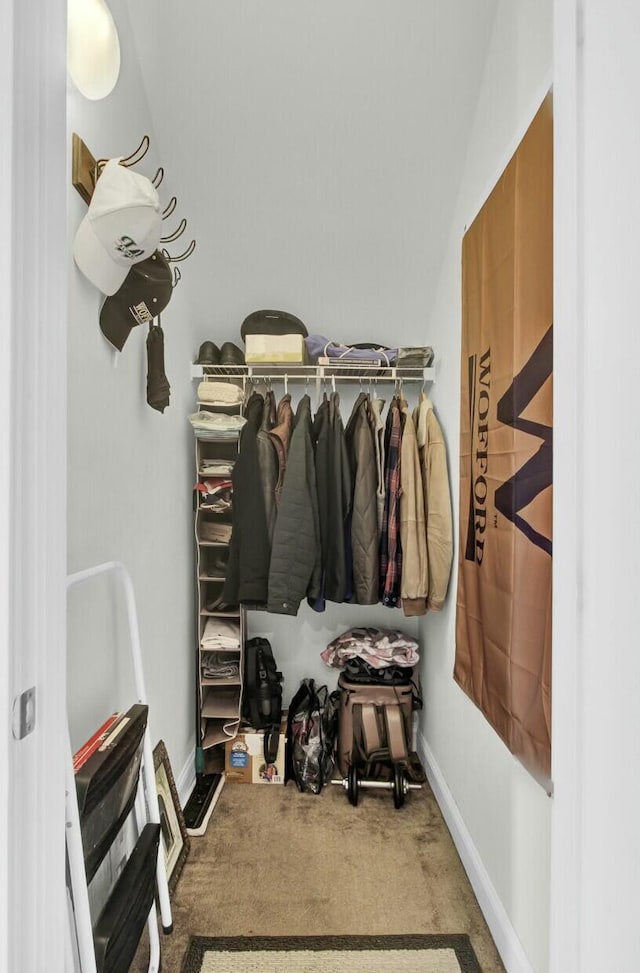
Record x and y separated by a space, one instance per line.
220 393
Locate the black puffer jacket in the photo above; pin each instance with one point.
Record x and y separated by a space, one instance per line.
364 507
248 566
295 557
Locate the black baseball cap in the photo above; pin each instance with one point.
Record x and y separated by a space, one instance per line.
144 295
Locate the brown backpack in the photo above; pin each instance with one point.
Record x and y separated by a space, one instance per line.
374 725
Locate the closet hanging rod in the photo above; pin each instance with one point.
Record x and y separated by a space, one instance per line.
304 373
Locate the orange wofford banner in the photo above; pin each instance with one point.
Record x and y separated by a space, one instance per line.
503 623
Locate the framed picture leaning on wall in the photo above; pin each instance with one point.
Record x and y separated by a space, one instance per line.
175 839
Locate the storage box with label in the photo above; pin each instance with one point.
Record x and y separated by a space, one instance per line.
274 349
244 760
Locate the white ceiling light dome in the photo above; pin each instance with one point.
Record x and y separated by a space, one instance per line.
93 48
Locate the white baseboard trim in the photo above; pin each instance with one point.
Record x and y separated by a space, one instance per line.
186 779
504 935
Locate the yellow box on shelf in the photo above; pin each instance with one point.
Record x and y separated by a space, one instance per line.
272 349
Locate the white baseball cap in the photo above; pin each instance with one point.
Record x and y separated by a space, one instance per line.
122 227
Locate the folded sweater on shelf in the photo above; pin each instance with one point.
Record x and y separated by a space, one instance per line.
216 495
220 634
216 467
213 667
216 425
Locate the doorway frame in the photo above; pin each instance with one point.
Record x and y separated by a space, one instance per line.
565 932
33 286
33 187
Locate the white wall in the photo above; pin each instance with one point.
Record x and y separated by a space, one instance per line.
32 494
506 814
129 467
607 749
319 147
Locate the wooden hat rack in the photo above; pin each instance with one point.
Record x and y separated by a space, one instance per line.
85 172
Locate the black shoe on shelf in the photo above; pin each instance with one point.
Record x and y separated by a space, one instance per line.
231 354
209 354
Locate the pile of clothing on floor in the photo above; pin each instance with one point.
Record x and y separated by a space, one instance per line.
378 647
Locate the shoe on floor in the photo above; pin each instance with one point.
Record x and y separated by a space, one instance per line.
209 354
231 354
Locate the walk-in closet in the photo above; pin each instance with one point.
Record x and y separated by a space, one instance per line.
327 162
309 425
213 531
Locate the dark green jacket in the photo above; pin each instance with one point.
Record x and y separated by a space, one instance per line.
295 555
364 507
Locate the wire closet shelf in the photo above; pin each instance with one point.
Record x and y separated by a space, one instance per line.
344 372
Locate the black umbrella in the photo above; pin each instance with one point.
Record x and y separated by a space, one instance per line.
158 388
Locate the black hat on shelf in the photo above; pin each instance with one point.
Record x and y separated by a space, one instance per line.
272 322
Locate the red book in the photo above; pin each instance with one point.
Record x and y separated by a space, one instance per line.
94 742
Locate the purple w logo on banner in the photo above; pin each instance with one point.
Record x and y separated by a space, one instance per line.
537 473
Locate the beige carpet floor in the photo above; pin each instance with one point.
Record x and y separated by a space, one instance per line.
275 862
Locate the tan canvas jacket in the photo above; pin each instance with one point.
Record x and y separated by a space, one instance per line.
437 501
414 585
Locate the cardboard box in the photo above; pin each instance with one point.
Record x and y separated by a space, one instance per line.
274 349
244 758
